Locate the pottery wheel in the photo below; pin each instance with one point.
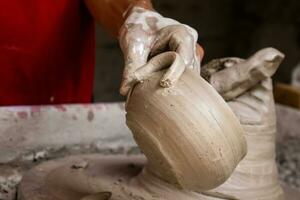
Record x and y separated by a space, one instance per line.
96 177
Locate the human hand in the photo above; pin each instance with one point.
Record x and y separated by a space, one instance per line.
145 34
246 85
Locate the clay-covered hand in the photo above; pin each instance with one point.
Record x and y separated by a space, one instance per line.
246 85
145 34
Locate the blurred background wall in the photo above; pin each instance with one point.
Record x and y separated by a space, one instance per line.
225 27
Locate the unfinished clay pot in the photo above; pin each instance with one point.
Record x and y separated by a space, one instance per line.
189 135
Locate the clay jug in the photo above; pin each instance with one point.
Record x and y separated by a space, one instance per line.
188 133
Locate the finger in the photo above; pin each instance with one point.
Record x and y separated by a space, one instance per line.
177 38
198 56
135 44
170 60
185 48
196 65
199 51
174 71
161 43
135 57
233 81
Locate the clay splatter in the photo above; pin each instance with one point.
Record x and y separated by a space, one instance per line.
90 115
61 108
22 115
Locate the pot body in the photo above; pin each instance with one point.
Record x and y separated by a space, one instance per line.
188 133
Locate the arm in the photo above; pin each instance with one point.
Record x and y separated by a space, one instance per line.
144 33
112 13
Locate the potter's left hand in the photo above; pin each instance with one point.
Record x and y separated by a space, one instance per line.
145 34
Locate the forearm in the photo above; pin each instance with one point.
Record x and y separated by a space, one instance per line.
112 13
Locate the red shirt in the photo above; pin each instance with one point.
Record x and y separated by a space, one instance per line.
47 52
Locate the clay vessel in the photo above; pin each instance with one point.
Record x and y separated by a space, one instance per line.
189 135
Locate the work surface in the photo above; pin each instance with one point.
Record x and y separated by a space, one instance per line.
30 135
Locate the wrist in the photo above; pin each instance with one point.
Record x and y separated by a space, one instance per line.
146 4
142 4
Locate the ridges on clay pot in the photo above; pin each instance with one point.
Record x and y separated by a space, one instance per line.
189 135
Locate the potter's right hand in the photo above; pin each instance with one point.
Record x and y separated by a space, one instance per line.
145 34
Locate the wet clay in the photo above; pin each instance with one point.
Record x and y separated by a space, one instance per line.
146 33
191 138
249 94
197 145
189 135
103 178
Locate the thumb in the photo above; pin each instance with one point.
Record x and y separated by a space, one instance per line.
170 60
135 56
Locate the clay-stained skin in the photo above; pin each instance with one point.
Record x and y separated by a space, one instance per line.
146 33
247 87
112 13
152 22
169 60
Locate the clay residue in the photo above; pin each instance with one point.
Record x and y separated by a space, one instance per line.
35 110
74 117
61 108
22 115
195 104
152 23
90 115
